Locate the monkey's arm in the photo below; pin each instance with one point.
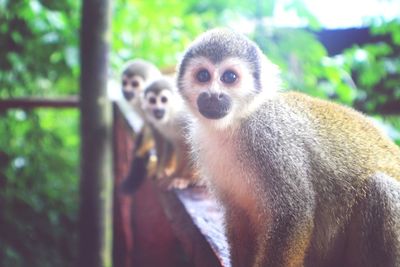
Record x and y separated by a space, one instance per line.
183 175
276 233
144 141
182 161
270 199
164 153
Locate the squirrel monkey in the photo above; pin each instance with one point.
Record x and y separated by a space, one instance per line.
164 109
303 182
137 74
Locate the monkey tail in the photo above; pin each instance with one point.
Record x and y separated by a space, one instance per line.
137 174
138 169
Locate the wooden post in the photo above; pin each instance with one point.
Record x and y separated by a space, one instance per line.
123 246
95 225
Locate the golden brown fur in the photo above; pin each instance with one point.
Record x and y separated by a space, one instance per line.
340 124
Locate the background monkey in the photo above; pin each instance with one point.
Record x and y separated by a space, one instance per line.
304 182
136 75
164 109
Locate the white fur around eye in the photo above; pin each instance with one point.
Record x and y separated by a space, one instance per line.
150 95
146 105
139 80
190 87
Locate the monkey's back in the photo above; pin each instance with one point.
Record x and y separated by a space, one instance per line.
322 158
348 136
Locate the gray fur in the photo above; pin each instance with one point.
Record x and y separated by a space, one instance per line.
219 44
158 85
140 68
284 185
356 223
374 228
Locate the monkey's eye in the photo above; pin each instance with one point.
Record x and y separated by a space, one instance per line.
203 76
152 100
135 83
229 77
164 99
124 83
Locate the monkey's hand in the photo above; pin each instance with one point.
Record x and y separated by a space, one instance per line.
161 175
179 183
173 182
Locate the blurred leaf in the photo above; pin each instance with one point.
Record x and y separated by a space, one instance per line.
302 11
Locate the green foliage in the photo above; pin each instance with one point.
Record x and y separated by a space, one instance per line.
38 47
38 149
154 30
38 195
375 69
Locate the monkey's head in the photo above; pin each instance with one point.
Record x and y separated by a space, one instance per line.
160 101
136 75
224 76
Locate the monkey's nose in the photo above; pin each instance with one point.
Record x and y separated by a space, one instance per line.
214 106
159 113
128 94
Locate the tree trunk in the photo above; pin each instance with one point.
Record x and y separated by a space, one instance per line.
95 229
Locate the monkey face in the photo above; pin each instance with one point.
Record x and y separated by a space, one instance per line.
216 91
132 87
224 76
158 105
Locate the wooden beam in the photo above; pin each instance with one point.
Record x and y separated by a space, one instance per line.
95 220
197 222
123 245
35 102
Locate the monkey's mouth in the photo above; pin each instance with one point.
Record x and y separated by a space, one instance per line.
158 113
128 95
214 106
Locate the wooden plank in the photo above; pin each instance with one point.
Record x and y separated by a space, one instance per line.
34 102
123 244
207 215
155 241
142 234
197 222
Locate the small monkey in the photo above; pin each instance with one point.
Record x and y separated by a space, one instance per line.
303 182
136 75
164 109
